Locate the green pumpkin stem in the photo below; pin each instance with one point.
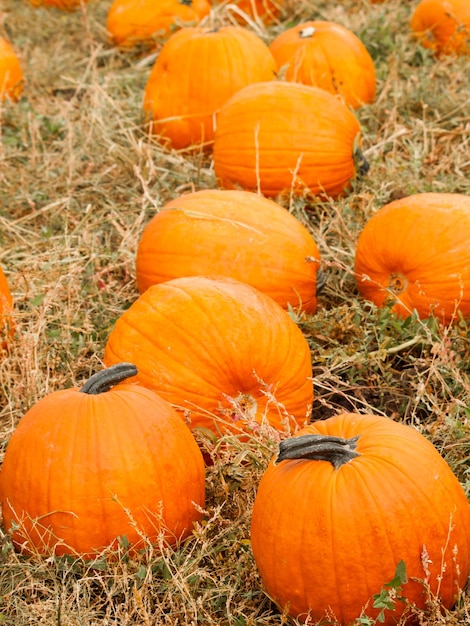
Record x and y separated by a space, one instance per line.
105 379
336 450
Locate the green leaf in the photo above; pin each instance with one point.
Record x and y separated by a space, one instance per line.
400 577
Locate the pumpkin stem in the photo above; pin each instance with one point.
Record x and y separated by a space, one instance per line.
322 279
336 450
105 379
307 32
361 163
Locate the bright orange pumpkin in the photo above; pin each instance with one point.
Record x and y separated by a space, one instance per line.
282 136
132 22
11 73
414 255
345 502
87 466
443 25
225 355
195 73
232 233
329 56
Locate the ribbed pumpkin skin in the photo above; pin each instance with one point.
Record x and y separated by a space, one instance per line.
78 462
278 136
236 234
200 341
7 324
195 73
11 74
327 55
443 25
414 254
132 22
328 540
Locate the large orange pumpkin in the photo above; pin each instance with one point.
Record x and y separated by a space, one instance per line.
195 73
443 25
414 255
88 466
232 233
227 356
132 22
11 73
345 502
279 136
7 324
329 56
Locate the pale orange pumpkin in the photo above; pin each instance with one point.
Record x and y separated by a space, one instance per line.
232 233
11 73
132 22
195 73
283 136
443 26
327 55
225 355
414 255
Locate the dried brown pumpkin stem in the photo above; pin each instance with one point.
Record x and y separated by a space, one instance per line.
105 379
336 450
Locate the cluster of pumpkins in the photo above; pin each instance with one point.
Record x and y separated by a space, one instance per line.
210 346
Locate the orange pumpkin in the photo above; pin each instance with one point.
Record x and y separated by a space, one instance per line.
414 255
195 73
327 55
66 5
11 74
87 466
265 11
278 136
221 352
348 500
132 22
7 324
232 233
443 26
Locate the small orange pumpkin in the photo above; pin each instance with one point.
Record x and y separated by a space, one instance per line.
225 355
443 26
11 74
7 324
265 11
87 466
344 503
66 5
232 233
414 255
280 136
329 56
195 73
132 22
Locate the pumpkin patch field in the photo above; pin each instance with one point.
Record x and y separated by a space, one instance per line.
234 312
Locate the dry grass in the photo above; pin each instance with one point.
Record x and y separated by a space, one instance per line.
79 180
